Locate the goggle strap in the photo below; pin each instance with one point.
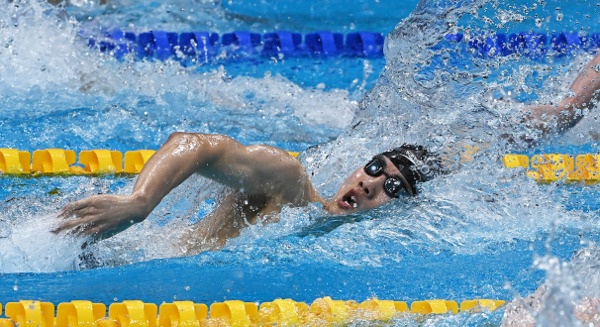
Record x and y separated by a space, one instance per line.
403 163
407 185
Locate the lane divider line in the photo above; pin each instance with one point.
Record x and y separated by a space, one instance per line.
280 312
205 47
544 168
64 162
548 168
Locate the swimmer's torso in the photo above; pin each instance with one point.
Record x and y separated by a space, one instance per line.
237 209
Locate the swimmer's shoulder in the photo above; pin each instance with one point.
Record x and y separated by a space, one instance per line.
286 171
276 158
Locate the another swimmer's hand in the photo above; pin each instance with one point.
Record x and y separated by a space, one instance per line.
588 311
537 122
102 216
544 118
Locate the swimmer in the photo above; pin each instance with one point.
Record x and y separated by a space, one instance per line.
264 179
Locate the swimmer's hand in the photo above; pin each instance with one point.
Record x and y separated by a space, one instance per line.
101 216
536 123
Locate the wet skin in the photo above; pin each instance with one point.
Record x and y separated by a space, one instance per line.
262 180
361 191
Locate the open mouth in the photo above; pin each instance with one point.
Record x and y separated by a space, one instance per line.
349 200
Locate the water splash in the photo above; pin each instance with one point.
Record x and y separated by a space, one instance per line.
460 213
49 252
432 92
567 298
46 59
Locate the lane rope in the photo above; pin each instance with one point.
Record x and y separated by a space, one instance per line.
204 47
207 47
544 168
64 162
281 312
548 168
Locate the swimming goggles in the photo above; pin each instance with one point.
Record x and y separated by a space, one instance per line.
393 185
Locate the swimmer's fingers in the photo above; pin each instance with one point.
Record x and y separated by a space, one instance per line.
587 310
81 211
72 208
100 216
92 225
76 226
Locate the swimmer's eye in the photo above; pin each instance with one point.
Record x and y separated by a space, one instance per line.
392 186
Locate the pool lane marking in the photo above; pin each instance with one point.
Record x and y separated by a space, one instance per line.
280 312
544 168
64 162
548 168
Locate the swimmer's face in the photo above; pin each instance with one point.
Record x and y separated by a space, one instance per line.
361 191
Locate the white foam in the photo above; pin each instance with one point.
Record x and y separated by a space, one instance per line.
32 247
44 56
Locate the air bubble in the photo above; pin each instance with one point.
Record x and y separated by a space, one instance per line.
538 22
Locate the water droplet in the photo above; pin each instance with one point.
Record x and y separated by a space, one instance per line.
538 22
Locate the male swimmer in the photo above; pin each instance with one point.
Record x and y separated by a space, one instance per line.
264 179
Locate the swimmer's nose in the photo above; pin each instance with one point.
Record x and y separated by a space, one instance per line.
368 188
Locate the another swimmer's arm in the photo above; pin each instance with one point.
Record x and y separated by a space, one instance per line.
584 92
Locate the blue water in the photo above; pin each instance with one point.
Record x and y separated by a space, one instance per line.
482 232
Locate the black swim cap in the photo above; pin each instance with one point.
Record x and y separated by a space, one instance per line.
413 161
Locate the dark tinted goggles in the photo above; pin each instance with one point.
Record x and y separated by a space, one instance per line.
393 185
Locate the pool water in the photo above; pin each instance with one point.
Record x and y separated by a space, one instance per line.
483 231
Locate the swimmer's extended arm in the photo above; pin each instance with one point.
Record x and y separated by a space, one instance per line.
254 169
584 93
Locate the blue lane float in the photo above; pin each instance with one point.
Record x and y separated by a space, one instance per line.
204 47
285 43
207 46
535 45
198 45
